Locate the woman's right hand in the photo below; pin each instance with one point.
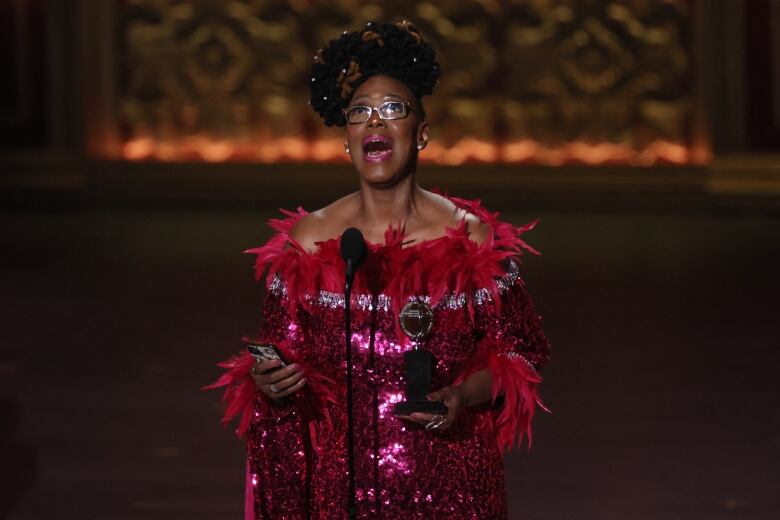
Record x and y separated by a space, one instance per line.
277 384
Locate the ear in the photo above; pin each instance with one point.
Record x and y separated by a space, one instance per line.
423 134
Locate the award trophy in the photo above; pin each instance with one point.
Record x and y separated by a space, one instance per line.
416 320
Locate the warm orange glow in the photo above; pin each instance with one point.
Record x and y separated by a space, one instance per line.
658 152
467 150
138 149
331 150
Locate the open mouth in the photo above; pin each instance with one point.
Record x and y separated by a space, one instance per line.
377 148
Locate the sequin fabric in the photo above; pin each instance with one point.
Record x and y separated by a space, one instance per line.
297 457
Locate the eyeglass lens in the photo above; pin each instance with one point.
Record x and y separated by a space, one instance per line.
388 110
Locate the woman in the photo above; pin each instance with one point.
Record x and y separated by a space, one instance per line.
452 253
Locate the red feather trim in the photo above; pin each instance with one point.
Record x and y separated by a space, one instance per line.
452 262
240 391
515 381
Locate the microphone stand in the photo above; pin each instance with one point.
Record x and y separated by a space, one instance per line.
353 250
350 426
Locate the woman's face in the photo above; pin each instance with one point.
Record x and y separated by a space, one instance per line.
385 150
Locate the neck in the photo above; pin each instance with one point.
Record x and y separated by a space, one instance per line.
393 205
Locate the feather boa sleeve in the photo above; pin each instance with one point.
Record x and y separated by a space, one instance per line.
513 348
241 397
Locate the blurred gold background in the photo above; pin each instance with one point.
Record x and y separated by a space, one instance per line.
574 103
537 81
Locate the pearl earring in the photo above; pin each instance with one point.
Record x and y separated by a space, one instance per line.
346 149
420 146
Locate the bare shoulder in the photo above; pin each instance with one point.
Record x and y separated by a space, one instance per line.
478 231
307 231
452 216
321 225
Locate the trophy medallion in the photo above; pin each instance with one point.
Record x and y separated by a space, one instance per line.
416 320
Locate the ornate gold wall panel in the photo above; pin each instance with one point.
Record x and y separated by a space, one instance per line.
523 81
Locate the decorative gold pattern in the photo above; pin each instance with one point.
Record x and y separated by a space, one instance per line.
539 81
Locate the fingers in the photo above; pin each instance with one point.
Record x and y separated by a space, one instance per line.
283 384
278 377
294 387
264 374
278 383
261 367
446 394
453 400
429 420
435 396
417 417
451 397
452 412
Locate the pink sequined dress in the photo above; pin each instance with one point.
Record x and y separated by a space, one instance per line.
483 318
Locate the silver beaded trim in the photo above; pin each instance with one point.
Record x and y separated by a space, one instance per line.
517 355
384 303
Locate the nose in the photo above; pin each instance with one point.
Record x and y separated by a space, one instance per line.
374 120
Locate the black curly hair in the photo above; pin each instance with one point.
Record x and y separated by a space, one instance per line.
396 50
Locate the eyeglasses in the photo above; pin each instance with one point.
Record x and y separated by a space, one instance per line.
387 110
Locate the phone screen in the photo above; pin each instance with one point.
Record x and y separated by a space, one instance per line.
265 352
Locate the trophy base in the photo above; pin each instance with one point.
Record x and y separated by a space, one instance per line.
426 406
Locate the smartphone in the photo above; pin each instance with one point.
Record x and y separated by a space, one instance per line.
264 352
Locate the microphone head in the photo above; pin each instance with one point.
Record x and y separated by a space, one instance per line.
353 247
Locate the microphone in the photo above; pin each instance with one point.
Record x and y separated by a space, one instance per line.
353 251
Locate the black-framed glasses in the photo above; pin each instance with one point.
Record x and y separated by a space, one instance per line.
387 110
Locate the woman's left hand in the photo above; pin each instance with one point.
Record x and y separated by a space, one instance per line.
454 399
